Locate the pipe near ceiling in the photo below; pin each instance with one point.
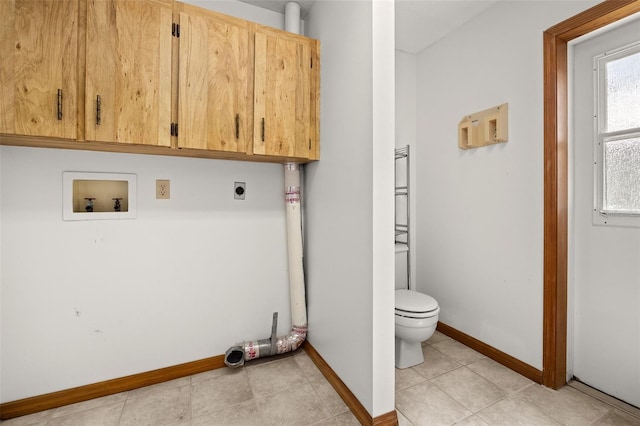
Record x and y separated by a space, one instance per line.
248 350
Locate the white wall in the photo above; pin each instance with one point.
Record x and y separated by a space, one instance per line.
480 212
350 307
84 302
242 10
383 70
89 301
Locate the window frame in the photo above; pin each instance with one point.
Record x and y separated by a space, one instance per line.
601 136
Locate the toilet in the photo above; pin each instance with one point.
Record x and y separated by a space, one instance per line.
416 320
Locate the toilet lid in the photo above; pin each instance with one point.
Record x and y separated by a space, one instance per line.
413 301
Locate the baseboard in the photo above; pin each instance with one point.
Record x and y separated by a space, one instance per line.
38 403
493 353
356 407
389 419
22 407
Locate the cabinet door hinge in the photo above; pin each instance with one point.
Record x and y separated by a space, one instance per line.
175 30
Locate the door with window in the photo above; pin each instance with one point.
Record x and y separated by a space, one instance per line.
604 271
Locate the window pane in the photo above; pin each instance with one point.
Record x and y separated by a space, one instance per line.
623 93
622 176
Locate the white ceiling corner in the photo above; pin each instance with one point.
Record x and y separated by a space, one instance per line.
419 23
278 5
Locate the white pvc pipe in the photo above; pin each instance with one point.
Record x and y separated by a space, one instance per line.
294 244
236 355
294 216
292 17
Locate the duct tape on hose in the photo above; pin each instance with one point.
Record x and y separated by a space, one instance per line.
292 166
292 194
293 340
251 350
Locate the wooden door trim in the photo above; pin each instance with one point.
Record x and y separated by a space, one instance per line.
556 177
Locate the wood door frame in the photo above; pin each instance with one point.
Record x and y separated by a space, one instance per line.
556 178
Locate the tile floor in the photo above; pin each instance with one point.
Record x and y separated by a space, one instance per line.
289 390
456 385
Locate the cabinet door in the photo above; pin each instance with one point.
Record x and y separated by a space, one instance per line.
38 67
128 73
282 97
214 69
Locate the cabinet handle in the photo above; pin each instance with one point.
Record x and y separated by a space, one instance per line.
98 110
59 104
262 129
237 126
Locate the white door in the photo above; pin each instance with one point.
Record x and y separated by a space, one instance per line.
604 254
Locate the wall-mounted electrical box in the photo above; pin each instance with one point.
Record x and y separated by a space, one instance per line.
484 128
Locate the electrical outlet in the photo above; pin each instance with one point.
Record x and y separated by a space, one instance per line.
163 189
239 190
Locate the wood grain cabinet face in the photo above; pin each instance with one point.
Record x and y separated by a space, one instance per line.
214 71
283 110
128 71
38 67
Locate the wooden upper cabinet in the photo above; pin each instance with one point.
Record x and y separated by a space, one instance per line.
215 67
128 71
39 67
285 97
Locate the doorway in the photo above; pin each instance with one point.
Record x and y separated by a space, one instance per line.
604 235
556 177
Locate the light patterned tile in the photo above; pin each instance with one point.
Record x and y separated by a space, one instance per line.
211 395
407 377
469 389
472 421
329 396
617 418
459 352
297 405
435 363
275 376
567 405
426 404
245 414
306 365
502 376
106 415
34 419
513 411
135 393
89 404
437 337
213 373
345 419
164 407
402 420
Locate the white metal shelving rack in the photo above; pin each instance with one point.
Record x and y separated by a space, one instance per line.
403 237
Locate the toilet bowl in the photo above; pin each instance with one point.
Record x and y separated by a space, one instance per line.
416 320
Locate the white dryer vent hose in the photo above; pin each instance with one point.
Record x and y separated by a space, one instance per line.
237 355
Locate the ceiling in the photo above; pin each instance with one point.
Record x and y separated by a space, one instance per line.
419 23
